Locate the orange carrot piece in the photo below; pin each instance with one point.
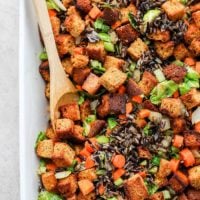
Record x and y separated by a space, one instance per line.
84 153
121 89
174 164
143 174
51 167
78 50
189 61
129 108
118 173
197 127
118 161
122 116
79 87
52 13
101 189
144 113
89 163
187 157
141 123
94 12
116 24
178 141
89 147
176 94
137 99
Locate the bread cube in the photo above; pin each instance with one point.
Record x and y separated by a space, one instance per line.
91 196
49 181
144 153
162 36
79 61
50 133
194 177
180 52
85 109
77 134
164 168
45 148
70 111
47 91
91 84
112 79
88 174
96 127
55 23
195 47
178 125
164 50
44 71
66 3
86 186
112 61
67 65
125 11
196 18
137 48
193 32
110 15
195 7
192 194
133 88
174 9
191 139
80 74
84 5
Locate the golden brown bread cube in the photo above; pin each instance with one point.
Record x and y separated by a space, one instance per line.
193 32
85 109
44 71
178 125
174 9
195 47
172 107
96 51
137 48
96 127
164 50
77 134
49 181
70 111
112 79
147 83
159 35
160 181
63 154
112 61
45 148
65 44
164 168
180 52
55 23
135 189
84 5
91 196
63 127
195 7
157 196
68 186
50 133
74 25
91 84
191 99
79 61
104 108
132 88
80 74
67 65
88 174
110 15
194 177
86 186
192 194
191 139
125 11
47 91
66 3
196 18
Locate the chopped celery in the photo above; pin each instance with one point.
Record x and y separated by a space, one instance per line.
97 67
105 37
119 182
166 194
41 137
45 195
152 188
101 172
147 131
61 175
159 75
178 63
112 122
155 160
100 26
143 163
153 170
184 88
52 5
42 167
109 46
132 20
86 124
112 198
43 56
102 139
81 100
150 15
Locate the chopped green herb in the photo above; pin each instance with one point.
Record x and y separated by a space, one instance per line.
101 172
41 137
100 26
43 56
52 5
97 67
155 160
102 139
174 152
71 168
86 124
118 182
184 1
90 118
109 46
152 188
147 131
112 122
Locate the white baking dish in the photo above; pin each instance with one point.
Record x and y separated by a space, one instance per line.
33 105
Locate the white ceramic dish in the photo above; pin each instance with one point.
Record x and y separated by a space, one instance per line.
33 105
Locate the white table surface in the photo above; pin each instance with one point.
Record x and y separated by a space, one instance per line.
9 165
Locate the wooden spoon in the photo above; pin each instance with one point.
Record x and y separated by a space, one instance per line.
62 90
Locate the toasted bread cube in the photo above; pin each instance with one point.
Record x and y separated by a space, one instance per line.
49 181
195 47
135 189
147 83
74 25
112 79
195 7
70 111
194 177
178 125
91 84
66 3
133 88
137 48
84 5
164 168
193 32
157 196
47 91
191 99
45 148
67 65
91 196
172 107
85 109
63 127
77 135
144 153
192 195
88 174
68 186
55 23
160 181
110 15
96 51
174 9
196 18
104 108
44 71
64 153
50 133
180 52
79 61
96 127
65 44
164 50
125 11
159 35
112 61
191 139
80 74
126 34
86 186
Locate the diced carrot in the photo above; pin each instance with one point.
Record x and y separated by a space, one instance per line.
121 89
143 174
78 50
197 67
52 12
86 186
84 153
197 127
187 157
129 108
178 141
189 61
79 87
176 94
51 167
94 12
144 113
141 123
89 147
116 24
89 163
182 177
174 164
101 189
118 161
137 99
118 173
